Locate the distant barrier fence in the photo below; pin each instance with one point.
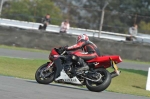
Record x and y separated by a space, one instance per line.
76 31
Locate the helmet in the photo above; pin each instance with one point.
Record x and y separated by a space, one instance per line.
82 37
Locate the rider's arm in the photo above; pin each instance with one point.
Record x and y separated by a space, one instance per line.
76 46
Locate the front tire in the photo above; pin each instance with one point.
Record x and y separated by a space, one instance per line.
41 79
102 84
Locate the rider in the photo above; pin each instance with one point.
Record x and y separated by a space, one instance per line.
89 51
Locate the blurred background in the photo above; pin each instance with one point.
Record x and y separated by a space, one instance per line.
119 15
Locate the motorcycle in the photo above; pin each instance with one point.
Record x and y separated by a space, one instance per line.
62 69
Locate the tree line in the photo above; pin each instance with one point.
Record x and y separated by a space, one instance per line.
119 14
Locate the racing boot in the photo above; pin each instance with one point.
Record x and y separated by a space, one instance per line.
84 66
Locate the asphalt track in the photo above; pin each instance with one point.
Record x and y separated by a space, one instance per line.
14 88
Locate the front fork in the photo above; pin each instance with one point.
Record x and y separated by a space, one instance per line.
45 72
49 67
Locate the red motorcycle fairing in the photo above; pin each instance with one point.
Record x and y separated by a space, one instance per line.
106 58
99 61
52 53
105 61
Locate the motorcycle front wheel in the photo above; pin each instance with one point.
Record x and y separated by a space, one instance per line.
102 84
42 76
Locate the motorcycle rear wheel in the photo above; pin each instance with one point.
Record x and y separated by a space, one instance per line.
43 80
103 84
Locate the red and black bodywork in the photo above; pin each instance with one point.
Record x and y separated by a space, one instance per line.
104 61
97 78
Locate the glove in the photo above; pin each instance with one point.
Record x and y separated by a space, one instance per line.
64 48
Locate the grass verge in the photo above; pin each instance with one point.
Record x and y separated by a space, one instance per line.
22 68
24 49
129 82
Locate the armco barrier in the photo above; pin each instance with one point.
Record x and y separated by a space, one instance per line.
47 40
74 31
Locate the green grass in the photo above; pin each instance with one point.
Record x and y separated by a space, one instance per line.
129 82
22 68
24 49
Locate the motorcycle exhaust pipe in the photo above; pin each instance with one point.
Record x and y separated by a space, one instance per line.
115 74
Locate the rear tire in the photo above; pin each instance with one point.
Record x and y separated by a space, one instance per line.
42 80
103 84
